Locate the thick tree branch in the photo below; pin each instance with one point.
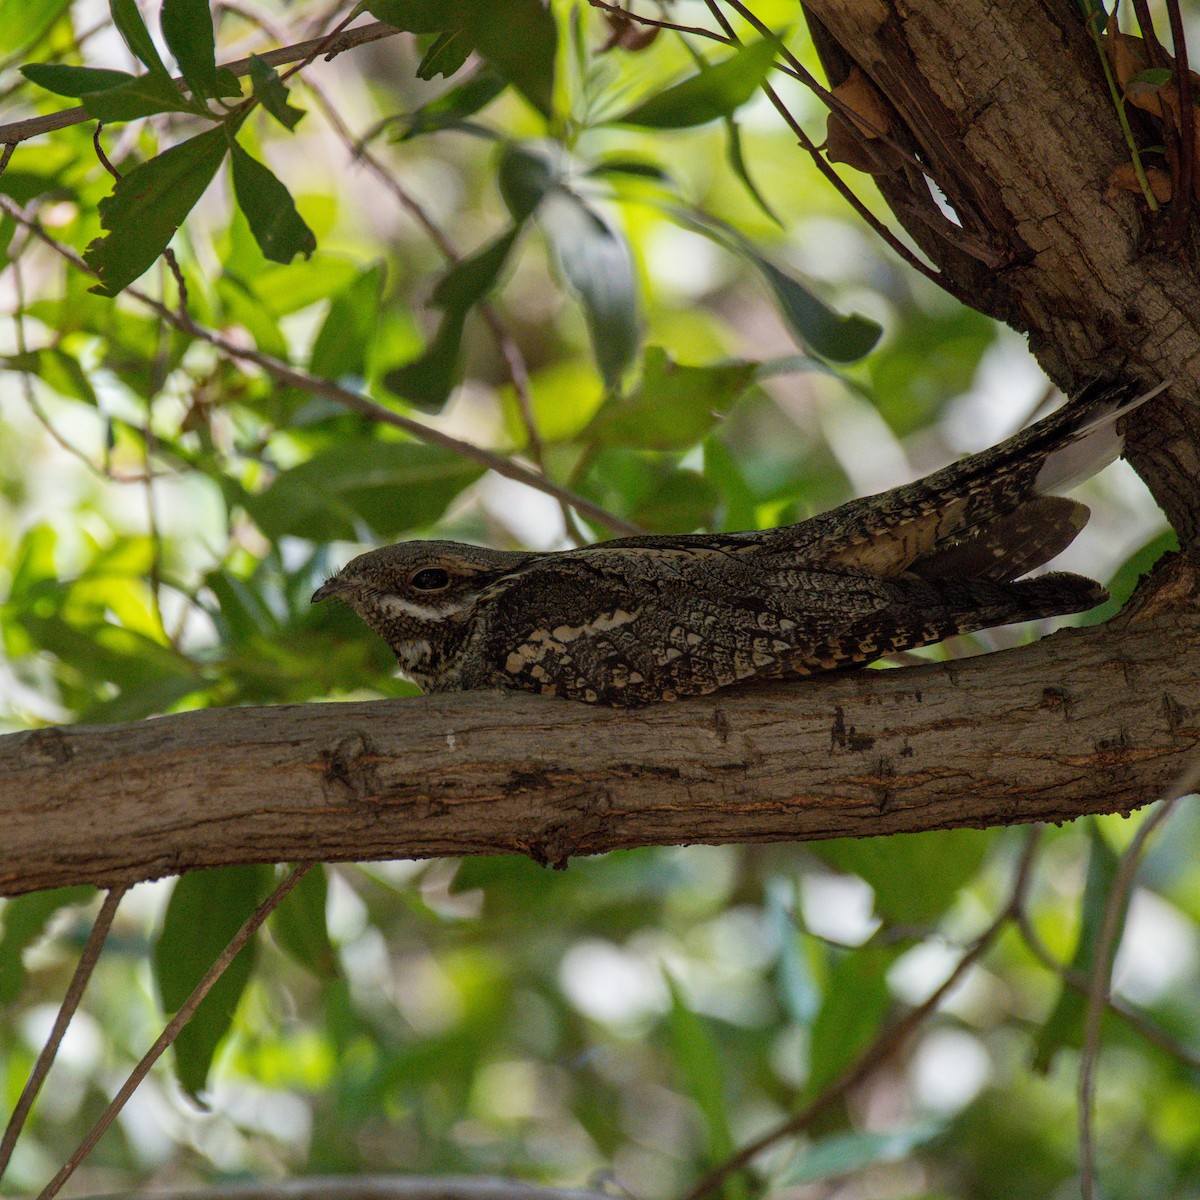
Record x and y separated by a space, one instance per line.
1087 721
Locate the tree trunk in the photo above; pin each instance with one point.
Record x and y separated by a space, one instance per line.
1005 105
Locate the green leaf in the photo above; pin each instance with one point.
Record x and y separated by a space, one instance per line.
341 345
696 1060
24 22
915 876
852 1010
527 174
56 368
683 503
299 925
278 228
519 39
272 93
188 28
629 166
844 1153
453 106
798 987
73 81
826 331
712 93
428 380
25 919
148 205
674 406
142 96
413 16
598 265
450 50
470 279
1128 574
362 484
1064 1026
737 160
1155 76
205 910
132 28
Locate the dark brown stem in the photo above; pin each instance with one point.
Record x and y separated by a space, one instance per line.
21 131
354 401
884 1046
75 990
1184 196
172 1028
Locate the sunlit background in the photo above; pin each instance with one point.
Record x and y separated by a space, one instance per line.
630 1021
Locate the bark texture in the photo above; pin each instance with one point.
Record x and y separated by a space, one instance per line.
1097 720
1005 106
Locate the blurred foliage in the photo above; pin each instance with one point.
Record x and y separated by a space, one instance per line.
684 292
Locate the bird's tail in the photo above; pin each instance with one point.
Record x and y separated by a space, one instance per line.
991 515
926 611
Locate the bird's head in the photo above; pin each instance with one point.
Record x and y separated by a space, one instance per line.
418 596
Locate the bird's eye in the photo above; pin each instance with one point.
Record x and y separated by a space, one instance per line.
431 579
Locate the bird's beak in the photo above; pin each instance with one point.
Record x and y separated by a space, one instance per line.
332 587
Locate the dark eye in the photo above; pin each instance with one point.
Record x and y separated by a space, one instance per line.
430 579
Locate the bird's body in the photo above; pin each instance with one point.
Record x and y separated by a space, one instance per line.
645 619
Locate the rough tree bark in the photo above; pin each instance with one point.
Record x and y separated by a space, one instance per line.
1004 104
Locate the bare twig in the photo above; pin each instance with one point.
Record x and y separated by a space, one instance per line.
1185 194
20 131
1079 982
172 1028
354 401
323 44
99 148
887 1043
45 1059
1104 954
822 163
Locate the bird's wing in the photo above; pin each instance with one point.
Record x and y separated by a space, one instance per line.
639 624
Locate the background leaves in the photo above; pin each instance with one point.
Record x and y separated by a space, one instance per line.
664 347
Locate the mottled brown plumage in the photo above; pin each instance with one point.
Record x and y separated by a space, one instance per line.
644 619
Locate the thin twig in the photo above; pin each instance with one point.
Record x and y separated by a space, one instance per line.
639 19
172 1028
354 401
323 44
1079 982
1104 954
20 131
66 1010
822 163
99 148
1185 194
887 1043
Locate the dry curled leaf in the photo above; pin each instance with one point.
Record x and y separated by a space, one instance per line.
624 33
1124 179
861 103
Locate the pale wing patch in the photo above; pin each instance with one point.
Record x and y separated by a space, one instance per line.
889 551
541 642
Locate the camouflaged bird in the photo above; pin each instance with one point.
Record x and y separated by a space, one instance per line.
644 619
